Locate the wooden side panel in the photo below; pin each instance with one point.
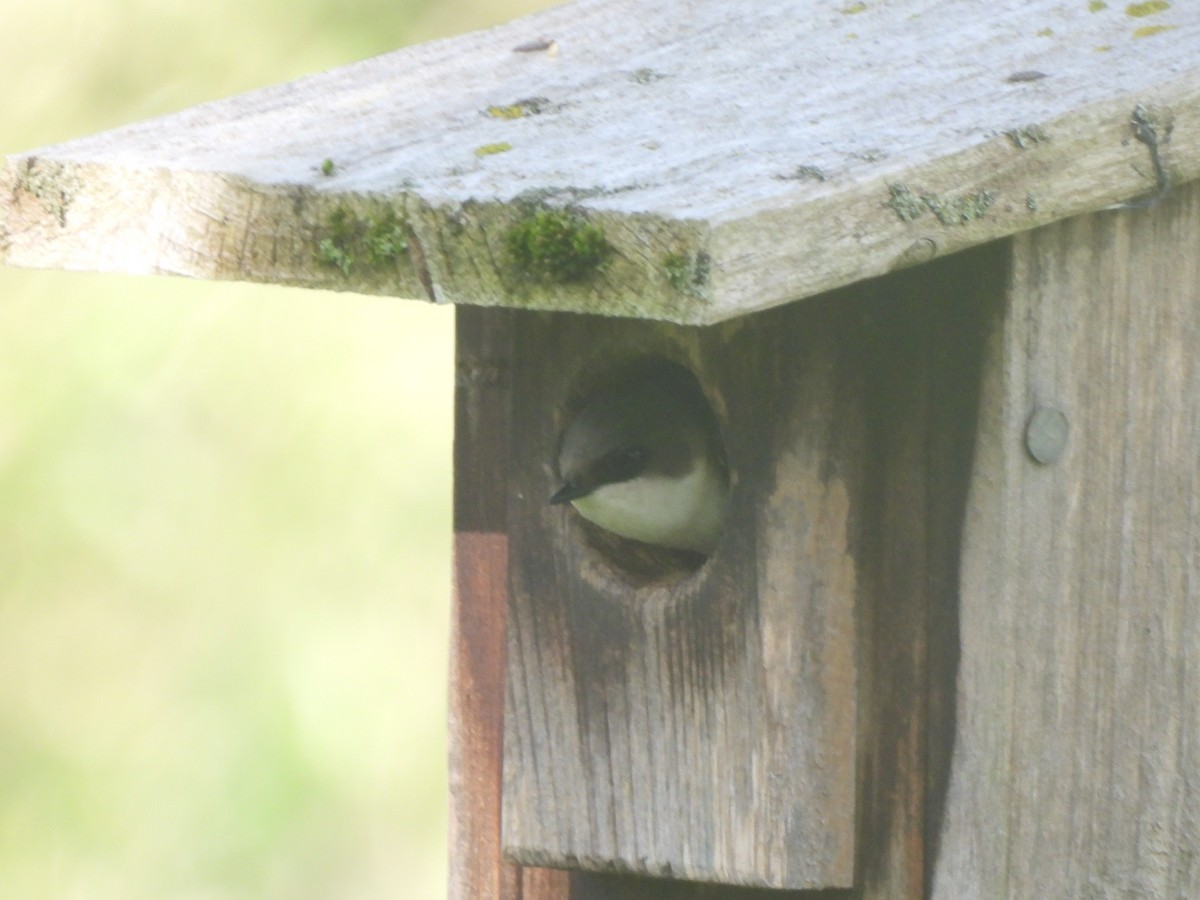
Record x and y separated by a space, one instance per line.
479 609
702 729
923 346
481 432
1078 747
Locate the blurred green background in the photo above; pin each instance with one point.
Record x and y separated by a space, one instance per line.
224 516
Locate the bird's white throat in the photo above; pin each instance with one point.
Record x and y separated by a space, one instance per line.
683 512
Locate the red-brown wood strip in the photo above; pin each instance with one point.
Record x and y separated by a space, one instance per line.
476 701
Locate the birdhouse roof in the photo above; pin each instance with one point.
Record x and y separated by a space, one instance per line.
686 160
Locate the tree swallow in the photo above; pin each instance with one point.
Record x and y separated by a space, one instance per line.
644 460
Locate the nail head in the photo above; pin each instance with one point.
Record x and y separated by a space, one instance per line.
1046 434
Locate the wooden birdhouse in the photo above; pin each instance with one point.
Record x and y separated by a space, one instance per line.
934 273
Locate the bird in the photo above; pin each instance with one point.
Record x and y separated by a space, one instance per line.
643 459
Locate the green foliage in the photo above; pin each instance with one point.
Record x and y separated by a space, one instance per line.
331 253
513 111
556 246
386 239
687 273
493 149
530 106
950 209
347 240
1140 10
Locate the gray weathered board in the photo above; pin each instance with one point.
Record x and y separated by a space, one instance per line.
737 155
1076 765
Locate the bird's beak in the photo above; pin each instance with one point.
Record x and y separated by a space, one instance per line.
569 492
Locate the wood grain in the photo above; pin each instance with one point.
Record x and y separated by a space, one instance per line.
482 350
737 156
923 352
876 386
1078 745
702 729
477 871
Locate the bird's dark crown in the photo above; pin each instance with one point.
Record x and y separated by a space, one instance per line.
655 421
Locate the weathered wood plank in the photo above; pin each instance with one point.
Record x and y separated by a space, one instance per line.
476 720
903 353
923 349
701 728
1078 738
482 350
477 870
545 884
737 156
587 886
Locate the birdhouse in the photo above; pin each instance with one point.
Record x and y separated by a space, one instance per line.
930 279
